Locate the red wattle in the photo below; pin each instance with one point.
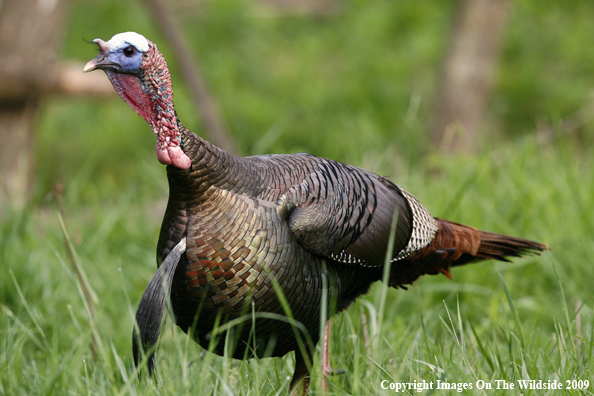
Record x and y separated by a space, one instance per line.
173 155
163 155
179 159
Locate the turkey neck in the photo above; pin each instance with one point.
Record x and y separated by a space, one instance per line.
149 92
212 168
191 190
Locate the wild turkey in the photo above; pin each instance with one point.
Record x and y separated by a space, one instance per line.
241 236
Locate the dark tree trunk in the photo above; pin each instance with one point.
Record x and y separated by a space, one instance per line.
29 35
467 74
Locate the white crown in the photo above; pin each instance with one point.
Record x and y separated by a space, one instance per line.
123 40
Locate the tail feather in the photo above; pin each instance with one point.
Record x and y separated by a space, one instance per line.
499 247
456 244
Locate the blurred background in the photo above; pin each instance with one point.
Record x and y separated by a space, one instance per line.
371 84
480 108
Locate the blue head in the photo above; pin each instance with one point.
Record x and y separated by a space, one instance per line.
123 53
139 74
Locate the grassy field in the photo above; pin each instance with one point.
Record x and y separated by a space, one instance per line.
531 319
355 86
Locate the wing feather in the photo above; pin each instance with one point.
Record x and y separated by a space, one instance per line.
345 213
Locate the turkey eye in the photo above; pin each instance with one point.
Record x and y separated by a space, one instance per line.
129 51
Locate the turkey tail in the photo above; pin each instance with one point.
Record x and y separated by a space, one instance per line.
456 244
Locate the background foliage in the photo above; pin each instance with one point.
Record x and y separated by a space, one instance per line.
357 85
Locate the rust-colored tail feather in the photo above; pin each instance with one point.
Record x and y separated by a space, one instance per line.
456 244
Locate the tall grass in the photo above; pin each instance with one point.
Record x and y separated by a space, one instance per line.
530 319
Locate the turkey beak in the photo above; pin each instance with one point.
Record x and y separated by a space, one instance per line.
101 60
91 65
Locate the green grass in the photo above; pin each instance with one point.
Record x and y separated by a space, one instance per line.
531 319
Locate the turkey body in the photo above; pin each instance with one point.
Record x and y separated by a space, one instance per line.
256 253
245 243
